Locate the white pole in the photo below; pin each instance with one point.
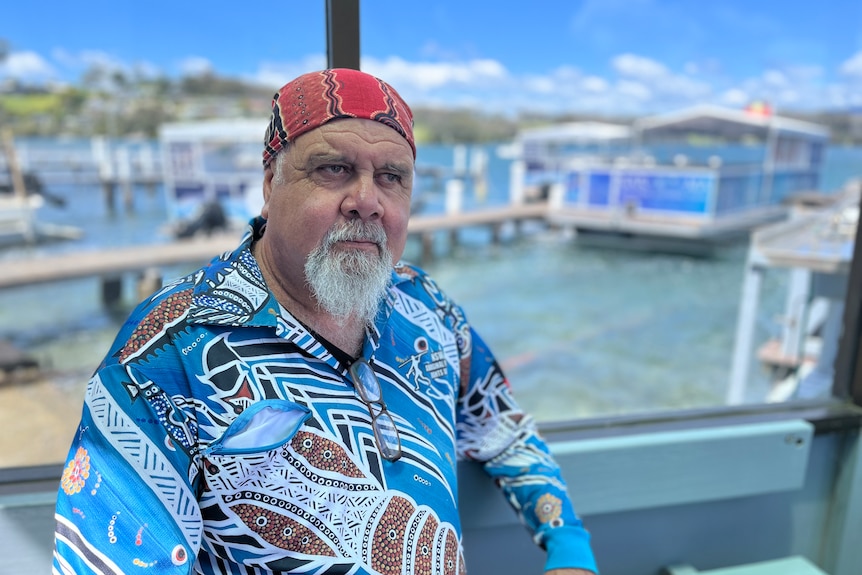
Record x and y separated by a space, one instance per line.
454 196
479 172
516 182
459 161
102 157
794 329
744 342
147 162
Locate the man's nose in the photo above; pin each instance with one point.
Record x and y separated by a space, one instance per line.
362 198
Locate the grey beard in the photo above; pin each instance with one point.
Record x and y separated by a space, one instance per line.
350 283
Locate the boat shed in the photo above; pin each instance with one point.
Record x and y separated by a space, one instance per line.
767 138
213 161
560 141
690 180
727 123
577 132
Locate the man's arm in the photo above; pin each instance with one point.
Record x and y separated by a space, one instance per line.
492 429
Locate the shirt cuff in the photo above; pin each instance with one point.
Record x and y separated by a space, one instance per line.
568 547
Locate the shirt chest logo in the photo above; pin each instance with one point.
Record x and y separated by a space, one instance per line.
424 365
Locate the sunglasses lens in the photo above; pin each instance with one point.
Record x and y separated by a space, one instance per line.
387 437
366 381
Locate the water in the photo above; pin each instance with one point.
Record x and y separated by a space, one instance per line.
579 331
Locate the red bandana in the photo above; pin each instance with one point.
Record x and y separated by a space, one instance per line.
316 98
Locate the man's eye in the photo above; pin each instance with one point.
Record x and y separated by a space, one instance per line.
392 178
334 169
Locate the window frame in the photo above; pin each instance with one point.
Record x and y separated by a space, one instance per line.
843 411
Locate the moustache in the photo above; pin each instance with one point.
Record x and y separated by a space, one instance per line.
356 230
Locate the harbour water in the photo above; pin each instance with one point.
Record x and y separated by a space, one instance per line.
580 332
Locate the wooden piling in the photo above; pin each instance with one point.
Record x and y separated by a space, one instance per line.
112 291
109 189
427 246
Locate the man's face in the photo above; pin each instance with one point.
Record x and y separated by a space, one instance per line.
345 172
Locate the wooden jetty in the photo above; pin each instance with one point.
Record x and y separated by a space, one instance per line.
113 262
427 226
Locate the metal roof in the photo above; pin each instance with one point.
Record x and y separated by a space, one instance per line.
728 122
580 132
237 130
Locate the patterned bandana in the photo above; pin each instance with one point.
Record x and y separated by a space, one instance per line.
314 99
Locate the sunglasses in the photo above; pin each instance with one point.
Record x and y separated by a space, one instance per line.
368 388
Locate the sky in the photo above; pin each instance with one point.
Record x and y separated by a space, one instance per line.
608 57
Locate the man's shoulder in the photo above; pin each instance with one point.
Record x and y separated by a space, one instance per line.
407 271
177 292
408 276
415 281
168 304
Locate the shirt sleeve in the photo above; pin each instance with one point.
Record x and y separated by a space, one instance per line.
492 429
127 498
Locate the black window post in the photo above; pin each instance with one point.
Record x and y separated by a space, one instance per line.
848 368
342 34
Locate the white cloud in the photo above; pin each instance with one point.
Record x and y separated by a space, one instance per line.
430 75
27 66
195 66
146 69
634 66
94 67
634 90
734 98
540 85
683 87
774 78
853 66
66 59
276 74
595 84
633 83
805 73
99 59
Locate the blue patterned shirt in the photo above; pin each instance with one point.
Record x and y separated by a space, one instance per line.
220 436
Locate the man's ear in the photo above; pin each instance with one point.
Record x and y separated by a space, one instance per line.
267 190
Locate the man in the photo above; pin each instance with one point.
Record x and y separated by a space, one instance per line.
299 405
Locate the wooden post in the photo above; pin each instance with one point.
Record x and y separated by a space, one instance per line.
112 291
148 169
18 185
108 190
124 177
427 246
148 283
14 169
495 233
102 156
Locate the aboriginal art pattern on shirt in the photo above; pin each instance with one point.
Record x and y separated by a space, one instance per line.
210 358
